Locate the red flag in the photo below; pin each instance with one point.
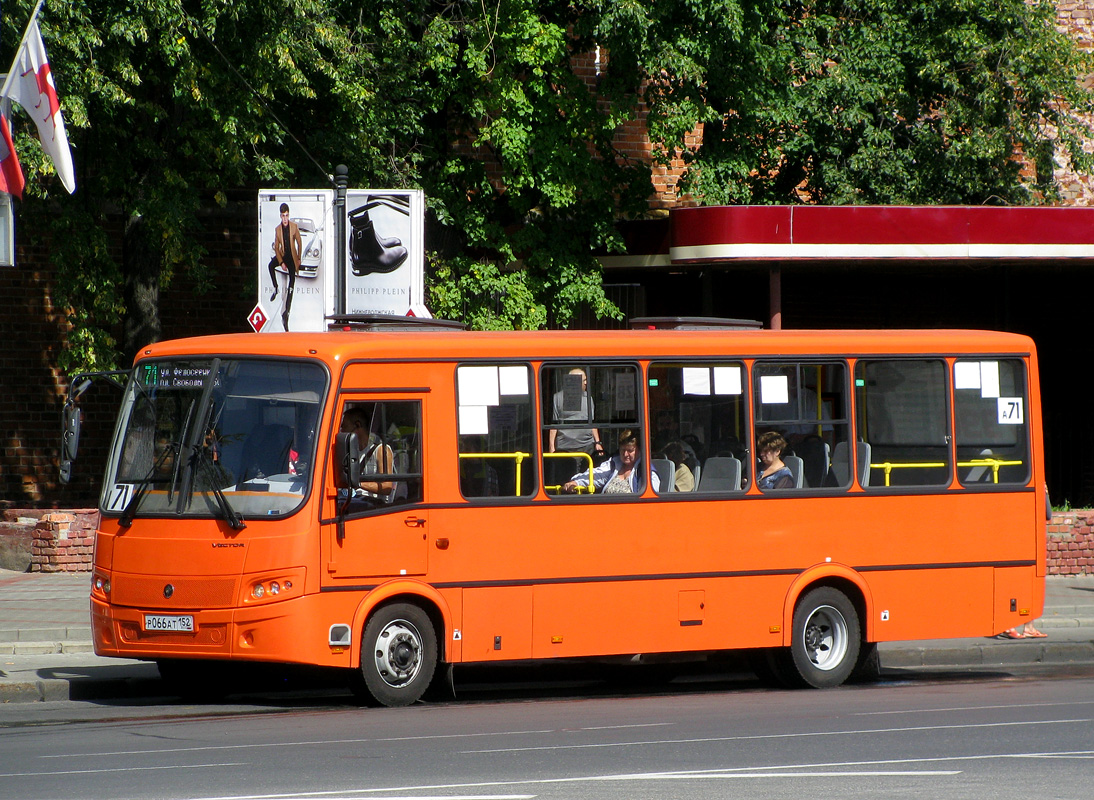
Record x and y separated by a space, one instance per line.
11 174
32 88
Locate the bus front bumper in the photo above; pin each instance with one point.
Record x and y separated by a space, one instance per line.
274 632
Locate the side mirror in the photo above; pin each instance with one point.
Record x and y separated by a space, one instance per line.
347 455
70 439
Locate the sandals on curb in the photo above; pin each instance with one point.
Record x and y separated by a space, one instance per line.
1033 633
1011 634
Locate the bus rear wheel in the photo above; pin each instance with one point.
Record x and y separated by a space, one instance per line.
398 655
826 640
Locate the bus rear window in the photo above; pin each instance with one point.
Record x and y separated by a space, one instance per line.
990 418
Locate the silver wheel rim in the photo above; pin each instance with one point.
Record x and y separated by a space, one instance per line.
825 638
398 653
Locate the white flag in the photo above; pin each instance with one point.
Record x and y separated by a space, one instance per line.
32 88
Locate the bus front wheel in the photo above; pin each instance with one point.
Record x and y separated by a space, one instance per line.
398 655
826 640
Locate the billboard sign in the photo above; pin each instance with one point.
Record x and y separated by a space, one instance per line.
384 271
385 252
295 259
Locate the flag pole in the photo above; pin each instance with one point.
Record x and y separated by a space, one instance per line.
11 72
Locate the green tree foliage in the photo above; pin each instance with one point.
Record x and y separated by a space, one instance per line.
172 104
864 101
175 105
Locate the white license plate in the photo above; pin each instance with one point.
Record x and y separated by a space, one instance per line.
158 622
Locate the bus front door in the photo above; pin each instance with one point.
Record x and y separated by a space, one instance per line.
380 529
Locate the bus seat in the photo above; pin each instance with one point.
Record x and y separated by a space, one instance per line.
666 474
797 468
266 451
698 471
721 474
840 460
400 491
841 463
815 455
864 463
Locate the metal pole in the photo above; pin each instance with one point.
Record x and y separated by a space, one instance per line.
341 182
775 298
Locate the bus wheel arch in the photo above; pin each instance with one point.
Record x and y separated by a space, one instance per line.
422 595
841 578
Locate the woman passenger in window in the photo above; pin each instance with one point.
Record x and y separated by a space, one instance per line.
775 474
684 479
621 474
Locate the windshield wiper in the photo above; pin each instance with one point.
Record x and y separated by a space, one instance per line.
130 511
209 472
195 436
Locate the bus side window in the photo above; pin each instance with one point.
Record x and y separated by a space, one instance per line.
496 439
697 413
990 426
585 410
806 404
902 420
390 437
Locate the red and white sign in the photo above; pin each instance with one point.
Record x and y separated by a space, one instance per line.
258 318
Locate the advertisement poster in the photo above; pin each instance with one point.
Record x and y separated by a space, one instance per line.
296 260
385 253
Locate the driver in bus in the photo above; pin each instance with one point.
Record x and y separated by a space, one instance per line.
376 457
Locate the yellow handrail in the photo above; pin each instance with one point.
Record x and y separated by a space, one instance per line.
518 456
590 489
994 463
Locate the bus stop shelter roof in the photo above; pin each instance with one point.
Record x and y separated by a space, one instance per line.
724 234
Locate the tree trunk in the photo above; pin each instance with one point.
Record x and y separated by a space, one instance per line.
142 263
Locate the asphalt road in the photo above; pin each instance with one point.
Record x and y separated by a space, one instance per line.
980 735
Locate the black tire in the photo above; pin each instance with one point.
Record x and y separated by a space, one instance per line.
398 655
868 668
826 640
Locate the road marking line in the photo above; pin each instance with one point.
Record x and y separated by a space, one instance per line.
774 736
121 769
285 744
971 708
759 772
619 727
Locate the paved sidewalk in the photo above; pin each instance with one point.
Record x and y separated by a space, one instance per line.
46 651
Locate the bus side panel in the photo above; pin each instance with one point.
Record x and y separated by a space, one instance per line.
931 604
1019 597
497 623
657 616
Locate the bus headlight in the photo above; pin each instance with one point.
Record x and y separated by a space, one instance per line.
101 585
273 587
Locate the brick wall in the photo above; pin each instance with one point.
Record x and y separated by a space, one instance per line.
1071 543
64 541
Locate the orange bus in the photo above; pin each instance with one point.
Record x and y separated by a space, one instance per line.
395 502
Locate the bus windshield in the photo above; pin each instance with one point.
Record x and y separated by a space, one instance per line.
228 438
